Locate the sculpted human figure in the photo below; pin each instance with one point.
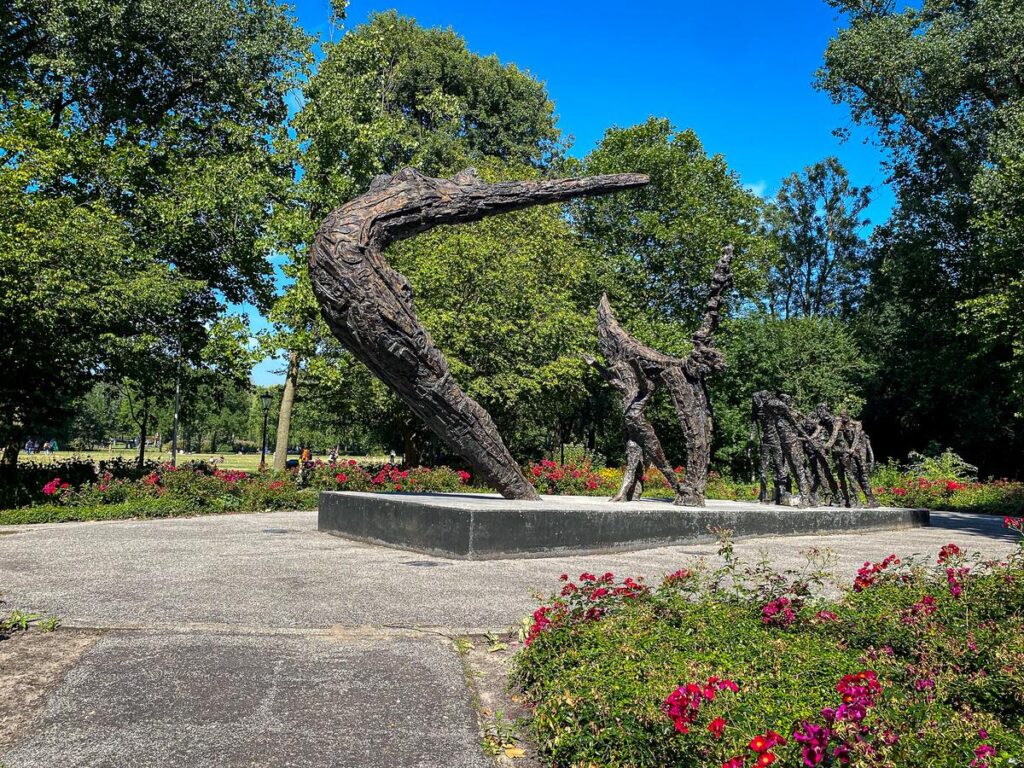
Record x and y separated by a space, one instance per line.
779 427
369 306
687 384
771 452
860 458
685 380
813 435
642 444
634 371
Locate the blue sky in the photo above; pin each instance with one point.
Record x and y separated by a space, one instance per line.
740 74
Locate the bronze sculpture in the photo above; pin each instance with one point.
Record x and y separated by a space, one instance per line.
369 306
797 445
684 378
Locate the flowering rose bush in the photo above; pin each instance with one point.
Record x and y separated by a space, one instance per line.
738 666
198 488
945 482
570 479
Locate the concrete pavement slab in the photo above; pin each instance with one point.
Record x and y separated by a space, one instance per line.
277 570
200 700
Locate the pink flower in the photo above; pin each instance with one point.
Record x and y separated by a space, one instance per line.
778 613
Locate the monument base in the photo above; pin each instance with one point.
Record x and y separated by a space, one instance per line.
488 527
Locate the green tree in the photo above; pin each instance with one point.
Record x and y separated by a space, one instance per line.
813 359
941 83
136 175
822 257
659 244
391 94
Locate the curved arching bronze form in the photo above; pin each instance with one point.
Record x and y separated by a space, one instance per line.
369 306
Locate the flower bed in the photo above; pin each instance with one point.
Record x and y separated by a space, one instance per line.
997 497
917 663
83 490
197 488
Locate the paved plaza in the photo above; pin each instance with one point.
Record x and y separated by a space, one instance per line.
254 640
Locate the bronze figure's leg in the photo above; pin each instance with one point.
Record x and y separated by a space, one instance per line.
632 479
369 306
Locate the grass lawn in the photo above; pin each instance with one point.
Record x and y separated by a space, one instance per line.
248 462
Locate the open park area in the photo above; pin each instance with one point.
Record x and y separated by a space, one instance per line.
394 383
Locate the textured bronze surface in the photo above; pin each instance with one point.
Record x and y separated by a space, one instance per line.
634 370
369 306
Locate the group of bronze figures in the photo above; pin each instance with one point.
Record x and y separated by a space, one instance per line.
828 455
369 307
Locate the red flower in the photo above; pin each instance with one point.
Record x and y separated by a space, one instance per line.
760 744
765 758
764 742
948 552
716 727
679 576
735 762
778 613
464 476
342 478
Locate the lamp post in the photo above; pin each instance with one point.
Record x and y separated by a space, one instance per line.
265 400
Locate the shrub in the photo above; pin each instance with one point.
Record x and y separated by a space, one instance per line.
921 664
568 479
945 482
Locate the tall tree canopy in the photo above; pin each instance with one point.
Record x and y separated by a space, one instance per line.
661 242
391 94
941 83
137 174
821 263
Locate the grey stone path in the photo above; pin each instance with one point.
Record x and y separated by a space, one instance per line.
253 640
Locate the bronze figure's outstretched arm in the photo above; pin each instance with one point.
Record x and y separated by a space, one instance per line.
369 306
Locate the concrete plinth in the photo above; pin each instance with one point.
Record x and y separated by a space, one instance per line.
487 527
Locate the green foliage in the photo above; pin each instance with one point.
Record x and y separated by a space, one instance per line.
660 242
604 657
945 481
942 84
821 264
138 169
814 359
391 94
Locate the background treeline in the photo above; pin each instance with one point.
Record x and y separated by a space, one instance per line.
154 179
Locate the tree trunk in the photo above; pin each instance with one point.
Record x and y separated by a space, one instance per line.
284 418
143 424
10 458
410 451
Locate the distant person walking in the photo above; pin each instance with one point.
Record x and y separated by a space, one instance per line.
29 446
46 448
